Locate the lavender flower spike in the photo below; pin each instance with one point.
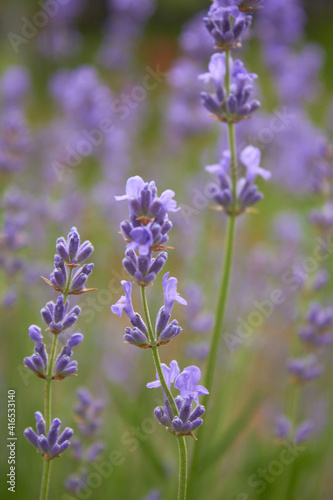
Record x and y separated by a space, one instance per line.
51 446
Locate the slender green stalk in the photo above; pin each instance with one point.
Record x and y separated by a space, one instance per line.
44 489
182 485
224 286
182 468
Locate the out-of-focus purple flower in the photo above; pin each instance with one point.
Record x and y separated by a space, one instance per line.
303 431
282 427
320 321
251 157
194 39
247 193
226 25
15 142
304 369
187 381
323 218
14 86
236 105
89 411
50 445
153 495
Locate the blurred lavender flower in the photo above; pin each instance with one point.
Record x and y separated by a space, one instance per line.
304 369
226 24
14 86
236 105
50 444
86 449
15 142
320 322
247 192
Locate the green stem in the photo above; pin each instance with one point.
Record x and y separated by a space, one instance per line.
182 468
224 286
44 490
182 485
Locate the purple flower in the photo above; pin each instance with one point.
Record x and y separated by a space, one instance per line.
144 203
303 431
305 369
142 240
64 367
187 381
125 304
250 157
71 251
57 316
226 25
170 375
170 293
236 105
38 362
187 421
282 427
52 445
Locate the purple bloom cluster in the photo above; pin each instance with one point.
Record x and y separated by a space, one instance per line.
320 323
283 429
226 24
305 369
187 383
147 229
71 255
49 444
38 362
247 192
86 449
237 104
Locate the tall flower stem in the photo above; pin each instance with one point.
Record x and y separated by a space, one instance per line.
225 280
44 490
182 485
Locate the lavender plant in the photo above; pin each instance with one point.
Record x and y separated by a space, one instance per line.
146 233
231 102
86 449
68 277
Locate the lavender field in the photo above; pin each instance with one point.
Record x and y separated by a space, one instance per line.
166 246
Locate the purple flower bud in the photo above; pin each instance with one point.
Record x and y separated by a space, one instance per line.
53 432
65 435
35 333
31 436
43 444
